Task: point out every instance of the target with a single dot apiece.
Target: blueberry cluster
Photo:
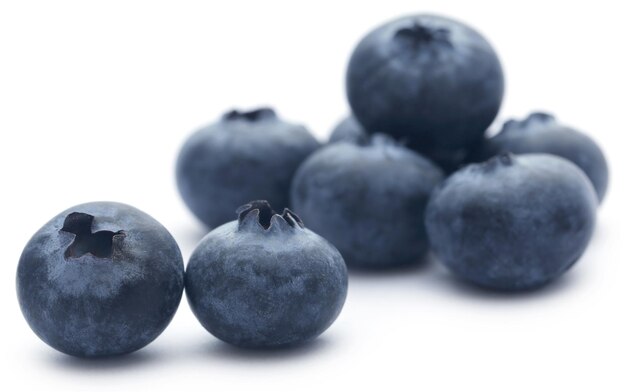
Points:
(411, 170)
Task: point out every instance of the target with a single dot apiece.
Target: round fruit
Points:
(244, 156)
(265, 280)
(427, 80)
(367, 199)
(513, 222)
(541, 133)
(348, 130)
(100, 279)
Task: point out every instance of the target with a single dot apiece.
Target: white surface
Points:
(95, 101)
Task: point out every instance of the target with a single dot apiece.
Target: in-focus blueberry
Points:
(368, 200)
(513, 222)
(265, 281)
(428, 80)
(244, 156)
(100, 279)
(542, 133)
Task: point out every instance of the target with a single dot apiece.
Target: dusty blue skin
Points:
(430, 81)
(368, 200)
(244, 156)
(265, 281)
(100, 279)
(541, 133)
(513, 222)
(348, 130)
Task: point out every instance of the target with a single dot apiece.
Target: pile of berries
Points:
(411, 170)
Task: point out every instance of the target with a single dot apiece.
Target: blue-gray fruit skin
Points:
(265, 281)
(100, 279)
(368, 200)
(348, 130)
(542, 133)
(513, 222)
(243, 156)
(430, 81)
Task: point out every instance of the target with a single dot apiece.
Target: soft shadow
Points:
(600, 231)
(400, 271)
(465, 289)
(113, 364)
(224, 351)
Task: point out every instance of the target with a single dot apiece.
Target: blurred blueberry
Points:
(265, 281)
(243, 156)
(513, 222)
(348, 130)
(367, 199)
(100, 279)
(541, 133)
(428, 80)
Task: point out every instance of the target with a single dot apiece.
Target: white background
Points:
(96, 99)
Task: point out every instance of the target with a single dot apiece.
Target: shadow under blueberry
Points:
(464, 289)
(225, 351)
(118, 363)
(430, 275)
(397, 271)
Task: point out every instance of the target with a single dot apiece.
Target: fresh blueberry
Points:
(100, 279)
(368, 200)
(541, 133)
(244, 156)
(348, 130)
(431, 81)
(265, 281)
(513, 222)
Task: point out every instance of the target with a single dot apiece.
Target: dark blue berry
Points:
(100, 279)
(513, 222)
(265, 281)
(430, 81)
(541, 133)
(367, 199)
(244, 156)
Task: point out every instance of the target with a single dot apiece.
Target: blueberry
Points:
(348, 130)
(513, 222)
(368, 200)
(541, 133)
(429, 80)
(100, 279)
(265, 281)
(244, 156)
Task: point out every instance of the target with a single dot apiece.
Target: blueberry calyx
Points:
(533, 119)
(101, 244)
(259, 214)
(418, 36)
(251, 115)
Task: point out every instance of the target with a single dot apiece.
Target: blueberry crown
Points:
(259, 215)
(532, 121)
(250, 116)
(419, 35)
(101, 244)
